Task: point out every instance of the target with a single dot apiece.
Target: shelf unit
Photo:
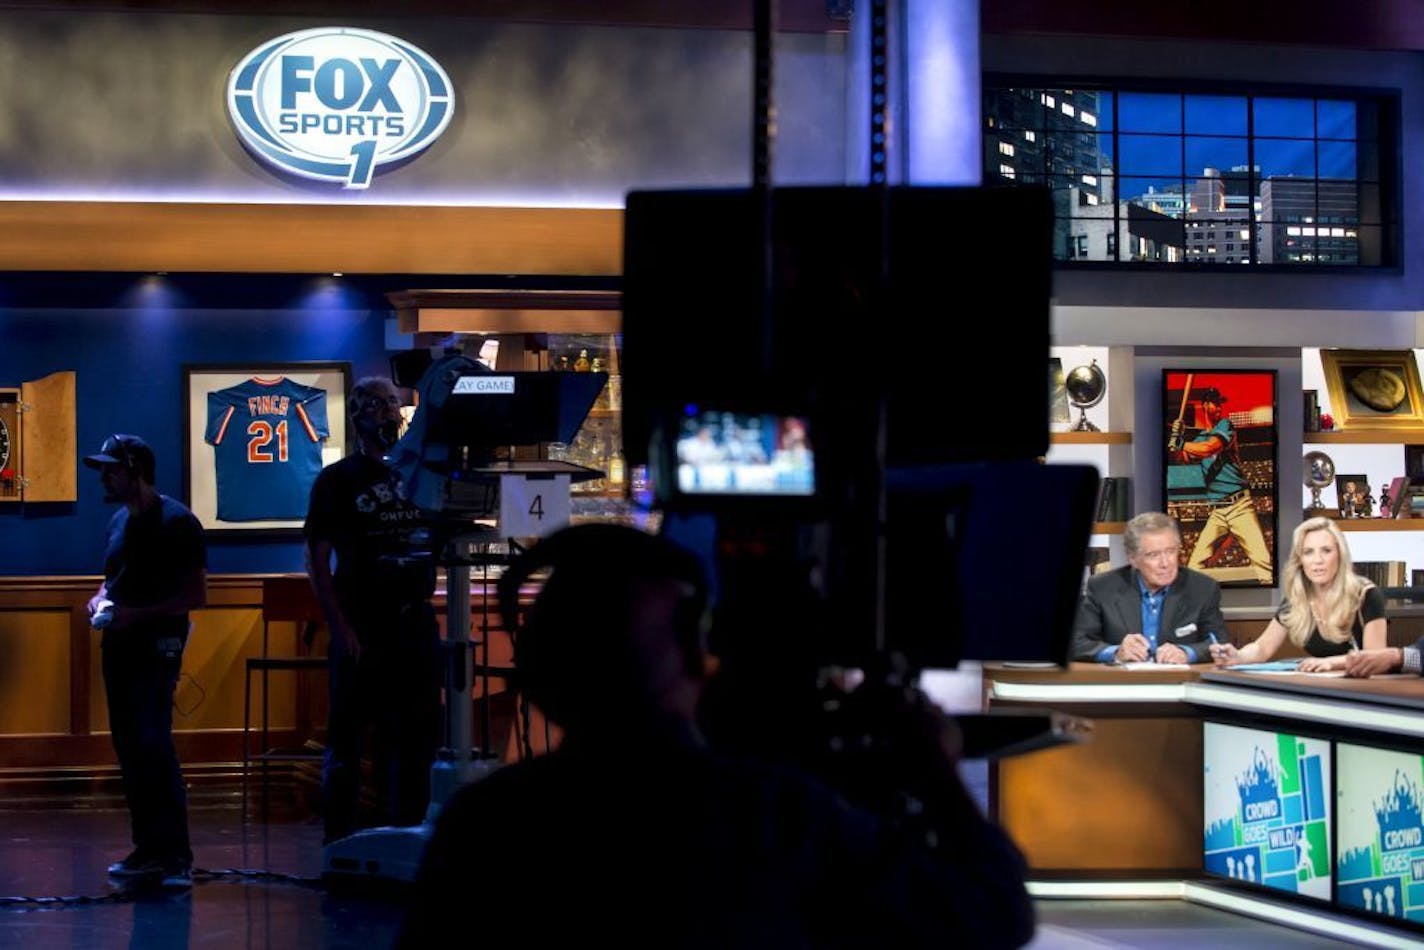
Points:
(1380, 524)
(1363, 437)
(1090, 438)
(1110, 448)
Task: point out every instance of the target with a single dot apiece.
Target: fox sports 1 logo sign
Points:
(337, 103)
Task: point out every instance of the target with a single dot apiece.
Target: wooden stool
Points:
(285, 598)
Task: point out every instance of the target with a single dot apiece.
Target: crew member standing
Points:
(384, 659)
(155, 571)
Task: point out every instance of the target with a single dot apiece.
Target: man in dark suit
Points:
(1153, 609)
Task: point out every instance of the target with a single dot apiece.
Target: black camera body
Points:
(851, 386)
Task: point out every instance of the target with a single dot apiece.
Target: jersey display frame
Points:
(254, 438)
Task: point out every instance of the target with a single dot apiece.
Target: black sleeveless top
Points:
(1371, 608)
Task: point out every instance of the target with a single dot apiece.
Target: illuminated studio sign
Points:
(337, 103)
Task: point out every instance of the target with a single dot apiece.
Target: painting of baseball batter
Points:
(1219, 440)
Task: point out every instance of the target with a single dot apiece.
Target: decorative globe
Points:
(1086, 385)
(1319, 470)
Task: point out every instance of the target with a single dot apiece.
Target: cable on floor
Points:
(140, 889)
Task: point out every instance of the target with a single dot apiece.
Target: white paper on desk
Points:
(1149, 665)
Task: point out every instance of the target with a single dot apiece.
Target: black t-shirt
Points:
(148, 556)
(359, 506)
(1371, 608)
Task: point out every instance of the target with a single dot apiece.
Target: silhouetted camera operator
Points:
(635, 829)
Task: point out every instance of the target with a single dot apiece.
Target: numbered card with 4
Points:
(533, 506)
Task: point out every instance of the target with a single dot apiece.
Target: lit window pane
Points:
(1150, 112)
(1218, 152)
(1336, 119)
(1165, 196)
(1337, 160)
(1285, 117)
(1072, 196)
(1281, 157)
(1149, 154)
(1215, 115)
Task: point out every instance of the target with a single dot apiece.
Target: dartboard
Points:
(4, 444)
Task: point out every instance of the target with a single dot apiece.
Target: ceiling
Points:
(792, 15)
(1362, 24)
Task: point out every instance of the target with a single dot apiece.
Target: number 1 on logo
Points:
(365, 155)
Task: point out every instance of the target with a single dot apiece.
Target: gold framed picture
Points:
(1374, 389)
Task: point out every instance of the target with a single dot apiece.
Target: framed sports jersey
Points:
(255, 438)
(1219, 468)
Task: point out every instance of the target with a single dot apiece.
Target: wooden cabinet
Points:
(38, 459)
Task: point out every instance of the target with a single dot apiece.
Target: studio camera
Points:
(842, 398)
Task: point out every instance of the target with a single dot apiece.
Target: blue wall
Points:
(129, 358)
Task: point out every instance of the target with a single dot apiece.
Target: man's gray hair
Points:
(1149, 522)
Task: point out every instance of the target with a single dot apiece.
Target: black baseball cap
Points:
(1211, 394)
(127, 450)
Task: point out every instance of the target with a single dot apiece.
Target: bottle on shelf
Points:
(616, 469)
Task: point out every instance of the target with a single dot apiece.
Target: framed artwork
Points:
(254, 439)
(1057, 393)
(1373, 389)
(1414, 461)
(1353, 496)
(1219, 468)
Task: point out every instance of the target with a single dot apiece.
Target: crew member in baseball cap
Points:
(130, 451)
(155, 571)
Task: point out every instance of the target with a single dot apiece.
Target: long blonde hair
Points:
(1342, 598)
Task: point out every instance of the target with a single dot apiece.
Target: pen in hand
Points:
(1215, 647)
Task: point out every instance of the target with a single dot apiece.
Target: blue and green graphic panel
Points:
(1267, 809)
(1381, 860)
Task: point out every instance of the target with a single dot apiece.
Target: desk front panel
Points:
(1127, 802)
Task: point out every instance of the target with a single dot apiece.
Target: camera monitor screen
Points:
(1380, 864)
(744, 454)
(1266, 810)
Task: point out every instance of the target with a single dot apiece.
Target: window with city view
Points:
(1202, 178)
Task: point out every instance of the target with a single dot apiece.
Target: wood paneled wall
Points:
(53, 714)
(308, 239)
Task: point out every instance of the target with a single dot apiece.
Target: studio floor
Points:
(60, 847)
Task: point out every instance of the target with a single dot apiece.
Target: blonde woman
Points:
(1328, 610)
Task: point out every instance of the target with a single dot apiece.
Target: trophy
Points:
(1319, 472)
(1086, 387)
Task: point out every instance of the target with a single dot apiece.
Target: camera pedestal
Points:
(532, 500)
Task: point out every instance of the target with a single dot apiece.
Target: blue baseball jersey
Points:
(266, 436)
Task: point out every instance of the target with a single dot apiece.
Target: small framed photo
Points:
(1414, 461)
(1373, 389)
(1355, 498)
(254, 438)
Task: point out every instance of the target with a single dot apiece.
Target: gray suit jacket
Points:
(1111, 608)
